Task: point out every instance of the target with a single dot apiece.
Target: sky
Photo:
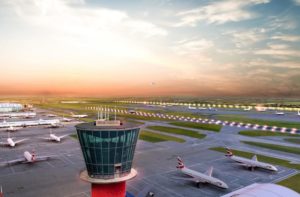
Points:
(150, 48)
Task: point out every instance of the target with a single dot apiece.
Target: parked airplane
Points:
(212, 109)
(27, 158)
(78, 115)
(260, 109)
(66, 119)
(279, 113)
(199, 177)
(53, 137)
(5, 124)
(190, 107)
(10, 142)
(11, 128)
(51, 115)
(19, 114)
(202, 108)
(54, 126)
(247, 109)
(250, 163)
(298, 113)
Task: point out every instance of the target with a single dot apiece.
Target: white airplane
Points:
(212, 109)
(298, 113)
(10, 142)
(247, 109)
(199, 177)
(19, 114)
(66, 119)
(51, 115)
(53, 137)
(250, 163)
(27, 158)
(11, 128)
(190, 107)
(202, 108)
(78, 115)
(53, 125)
(279, 113)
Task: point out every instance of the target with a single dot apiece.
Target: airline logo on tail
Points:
(180, 163)
(229, 153)
(33, 156)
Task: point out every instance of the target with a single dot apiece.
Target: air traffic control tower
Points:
(108, 149)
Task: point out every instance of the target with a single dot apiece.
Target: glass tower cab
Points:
(108, 149)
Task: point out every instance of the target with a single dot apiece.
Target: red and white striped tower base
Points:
(115, 187)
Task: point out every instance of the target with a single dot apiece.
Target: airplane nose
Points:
(275, 169)
(225, 186)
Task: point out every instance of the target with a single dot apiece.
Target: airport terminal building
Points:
(108, 149)
(10, 107)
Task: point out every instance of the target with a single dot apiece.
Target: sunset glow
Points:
(160, 47)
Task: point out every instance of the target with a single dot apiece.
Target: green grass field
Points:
(287, 149)
(292, 183)
(244, 119)
(157, 137)
(293, 140)
(262, 158)
(194, 125)
(178, 131)
(260, 133)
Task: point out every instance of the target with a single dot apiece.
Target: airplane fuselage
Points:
(253, 163)
(54, 137)
(203, 178)
(29, 157)
(79, 116)
(11, 142)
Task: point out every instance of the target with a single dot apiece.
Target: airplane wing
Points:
(189, 179)
(209, 171)
(43, 158)
(63, 136)
(22, 140)
(3, 143)
(45, 138)
(13, 162)
(254, 158)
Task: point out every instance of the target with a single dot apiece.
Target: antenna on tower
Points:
(107, 113)
(115, 113)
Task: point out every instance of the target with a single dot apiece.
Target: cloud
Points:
(64, 15)
(288, 38)
(194, 48)
(297, 2)
(285, 22)
(279, 51)
(246, 38)
(259, 63)
(219, 12)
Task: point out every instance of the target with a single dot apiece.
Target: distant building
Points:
(108, 149)
(10, 107)
(263, 189)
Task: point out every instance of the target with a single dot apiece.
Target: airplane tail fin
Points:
(228, 153)
(180, 163)
(33, 155)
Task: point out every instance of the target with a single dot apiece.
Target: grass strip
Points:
(178, 131)
(287, 149)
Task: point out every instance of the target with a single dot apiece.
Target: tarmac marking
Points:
(162, 188)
